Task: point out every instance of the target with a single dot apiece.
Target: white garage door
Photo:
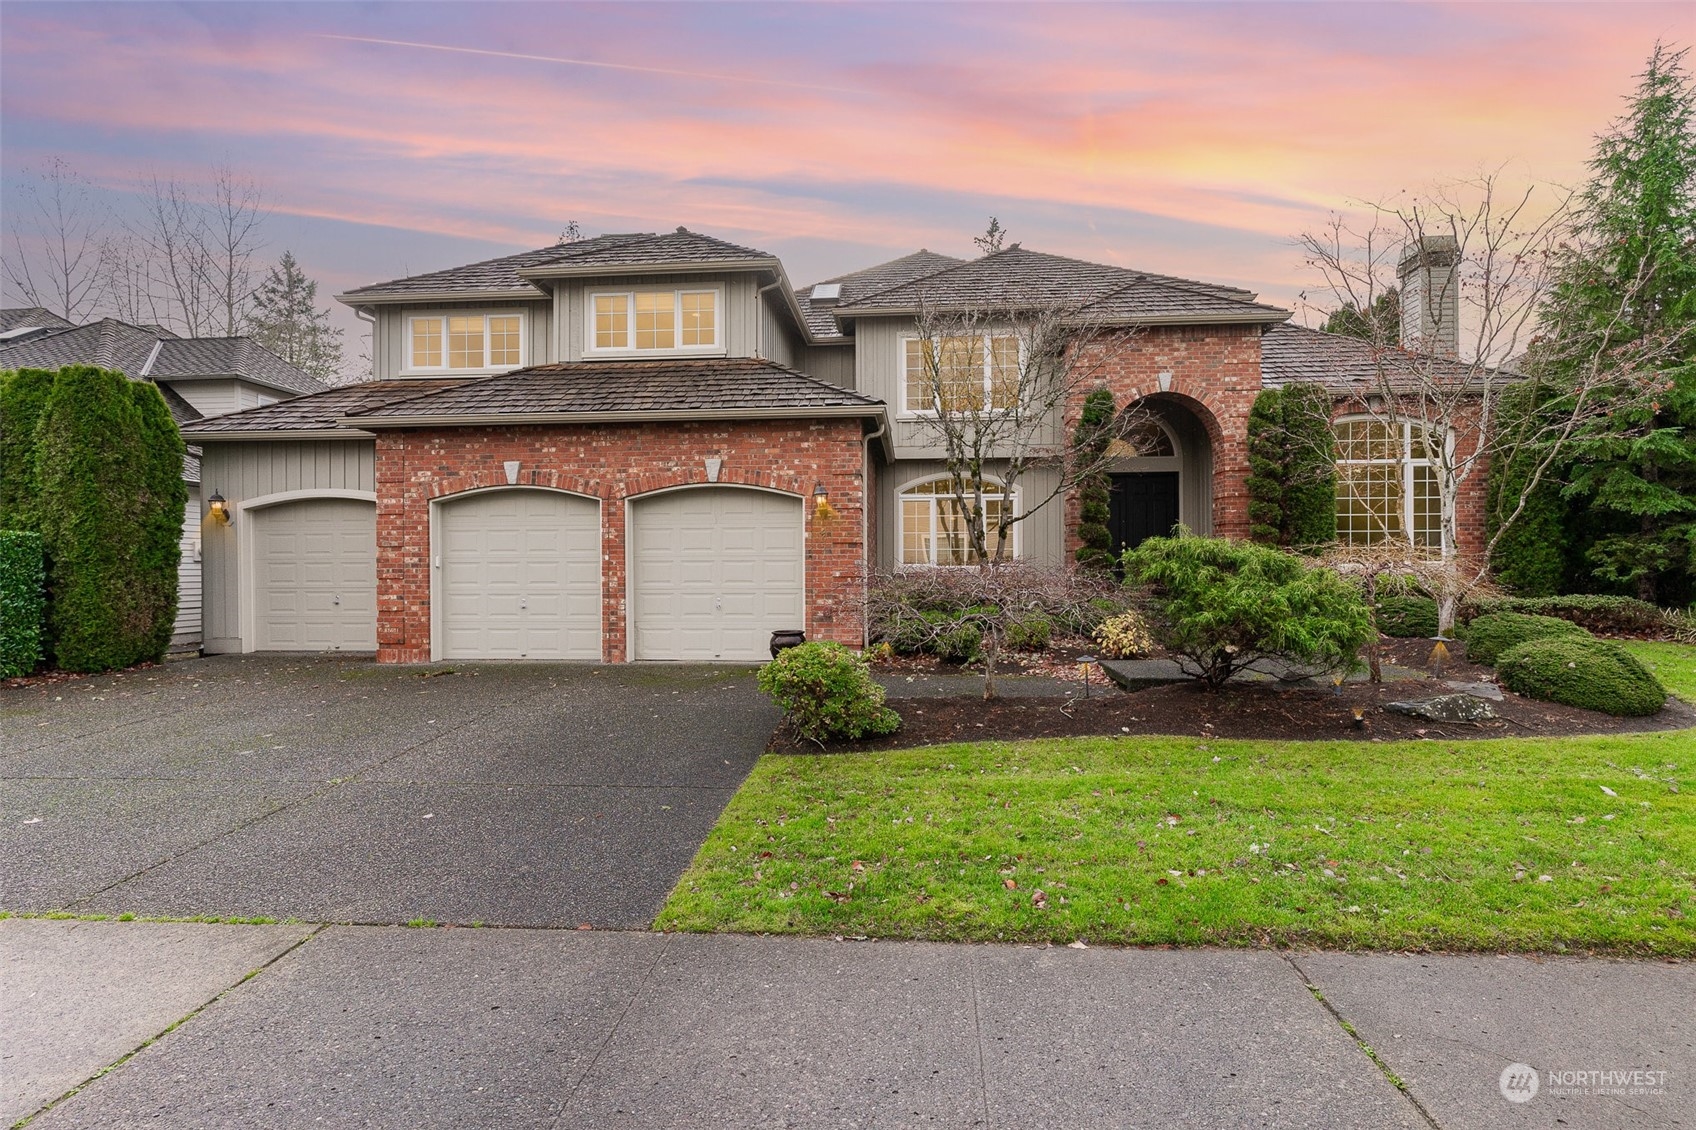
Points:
(315, 576)
(520, 576)
(715, 570)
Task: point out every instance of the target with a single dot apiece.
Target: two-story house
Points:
(654, 447)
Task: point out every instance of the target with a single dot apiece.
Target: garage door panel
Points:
(520, 576)
(315, 576)
(715, 570)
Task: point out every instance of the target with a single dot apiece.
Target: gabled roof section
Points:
(108, 343)
(189, 358)
(151, 354)
(1291, 354)
(854, 285)
(1016, 276)
(490, 277)
(316, 413)
(680, 248)
(31, 317)
(683, 389)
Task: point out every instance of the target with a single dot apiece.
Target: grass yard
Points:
(1674, 664)
(1509, 844)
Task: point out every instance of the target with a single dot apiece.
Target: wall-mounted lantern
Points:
(220, 510)
(821, 503)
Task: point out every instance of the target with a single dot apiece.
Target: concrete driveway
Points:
(342, 791)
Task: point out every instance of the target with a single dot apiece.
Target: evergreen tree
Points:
(23, 396)
(1093, 435)
(287, 321)
(1625, 302)
(1381, 324)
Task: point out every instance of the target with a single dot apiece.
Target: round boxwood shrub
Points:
(826, 691)
(1581, 671)
(1489, 636)
(1406, 617)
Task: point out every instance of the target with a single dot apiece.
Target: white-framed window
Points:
(469, 342)
(655, 321)
(1386, 484)
(933, 523)
(959, 374)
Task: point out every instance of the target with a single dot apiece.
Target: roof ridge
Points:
(460, 267)
(956, 265)
(887, 263)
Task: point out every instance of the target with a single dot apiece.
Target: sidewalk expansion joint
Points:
(612, 1033)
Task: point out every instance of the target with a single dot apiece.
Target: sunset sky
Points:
(1193, 139)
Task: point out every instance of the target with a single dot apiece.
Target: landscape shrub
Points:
(954, 637)
(23, 395)
(1221, 606)
(826, 691)
(1031, 632)
(1581, 671)
(1489, 636)
(1094, 434)
(1125, 636)
(1529, 558)
(1406, 617)
(23, 602)
(1604, 615)
(1292, 469)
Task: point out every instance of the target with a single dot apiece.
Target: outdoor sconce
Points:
(220, 510)
(821, 502)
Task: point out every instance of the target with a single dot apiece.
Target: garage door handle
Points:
(338, 598)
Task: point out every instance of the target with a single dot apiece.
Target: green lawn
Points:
(1435, 844)
(1673, 663)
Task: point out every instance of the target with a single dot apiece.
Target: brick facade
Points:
(615, 463)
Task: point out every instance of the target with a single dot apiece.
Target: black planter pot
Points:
(787, 638)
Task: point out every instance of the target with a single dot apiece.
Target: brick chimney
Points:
(1430, 291)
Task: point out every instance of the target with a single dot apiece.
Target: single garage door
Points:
(715, 570)
(315, 576)
(520, 576)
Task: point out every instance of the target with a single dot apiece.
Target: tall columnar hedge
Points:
(1529, 557)
(23, 395)
(23, 602)
(109, 461)
(1094, 433)
(1292, 468)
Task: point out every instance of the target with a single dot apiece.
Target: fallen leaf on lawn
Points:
(856, 866)
(1039, 900)
(1010, 884)
(1609, 791)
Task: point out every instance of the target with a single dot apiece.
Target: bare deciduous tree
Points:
(55, 232)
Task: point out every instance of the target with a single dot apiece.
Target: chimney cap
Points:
(1429, 251)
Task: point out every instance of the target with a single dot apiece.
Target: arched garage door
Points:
(520, 576)
(315, 575)
(715, 570)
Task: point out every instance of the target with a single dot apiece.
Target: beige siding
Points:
(242, 471)
(833, 363)
(1041, 537)
(778, 340)
(740, 316)
(211, 398)
(388, 334)
(185, 634)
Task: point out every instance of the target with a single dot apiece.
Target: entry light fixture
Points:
(821, 503)
(219, 508)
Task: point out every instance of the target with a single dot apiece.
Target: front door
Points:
(1142, 505)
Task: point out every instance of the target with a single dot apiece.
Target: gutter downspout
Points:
(865, 526)
(369, 317)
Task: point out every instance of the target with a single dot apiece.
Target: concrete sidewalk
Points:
(388, 1026)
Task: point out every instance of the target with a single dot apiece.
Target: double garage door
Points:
(712, 572)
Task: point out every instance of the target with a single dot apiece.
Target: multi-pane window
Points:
(934, 524)
(652, 320)
(1386, 485)
(961, 374)
(466, 341)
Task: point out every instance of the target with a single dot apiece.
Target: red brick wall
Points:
(616, 462)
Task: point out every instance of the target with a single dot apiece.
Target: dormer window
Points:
(464, 342)
(654, 321)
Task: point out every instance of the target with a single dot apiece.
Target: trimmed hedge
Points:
(1406, 617)
(1530, 557)
(23, 602)
(1292, 471)
(1584, 672)
(1489, 636)
(1090, 441)
(23, 397)
(1604, 615)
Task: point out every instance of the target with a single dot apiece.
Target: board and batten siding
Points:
(185, 633)
(1040, 538)
(388, 333)
(242, 471)
(832, 363)
(740, 317)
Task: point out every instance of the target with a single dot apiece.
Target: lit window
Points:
(1386, 486)
(961, 374)
(934, 524)
(656, 320)
(466, 341)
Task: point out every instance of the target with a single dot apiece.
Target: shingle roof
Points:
(1017, 276)
(17, 317)
(869, 280)
(243, 357)
(108, 343)
(716, 386)
(1291, 354)
(317, 412)
(501, 276)
(112, 344)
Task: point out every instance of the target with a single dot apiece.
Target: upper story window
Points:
(644, 321)
(1386, 485)
(960, 374)
(446, 342)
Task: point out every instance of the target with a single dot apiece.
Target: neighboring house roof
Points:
(821, 319)
(18, 318)
(151, 354)
(108, 343)
(502, 277)
(1016, 276)
(317, 412)
(199, 358)
(691, 388)
(1291, 354)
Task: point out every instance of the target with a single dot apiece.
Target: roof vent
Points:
(826, 294)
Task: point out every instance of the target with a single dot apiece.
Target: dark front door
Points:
(1142, 505)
